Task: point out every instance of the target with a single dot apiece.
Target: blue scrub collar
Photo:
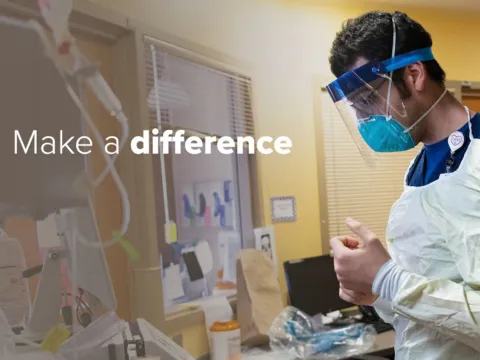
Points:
(357, 78)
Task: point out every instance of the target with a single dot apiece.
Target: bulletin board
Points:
(204, 202)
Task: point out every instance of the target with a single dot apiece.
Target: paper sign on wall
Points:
(265, 242)
(173, 287)
(229, 246)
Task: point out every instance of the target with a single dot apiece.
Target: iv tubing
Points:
(113, 171)
(108, 160)
(33, 25)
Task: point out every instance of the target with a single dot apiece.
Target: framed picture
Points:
(283, 208)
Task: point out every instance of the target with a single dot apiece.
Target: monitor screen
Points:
(313, 286)
(193, 266)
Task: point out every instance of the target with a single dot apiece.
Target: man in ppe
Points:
(391, 91)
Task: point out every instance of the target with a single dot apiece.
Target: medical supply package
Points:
(295, 334)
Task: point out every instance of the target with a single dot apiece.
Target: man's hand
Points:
(357, 263)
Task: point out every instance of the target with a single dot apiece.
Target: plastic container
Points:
(225, 338)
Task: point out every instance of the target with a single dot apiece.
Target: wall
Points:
(287, 43)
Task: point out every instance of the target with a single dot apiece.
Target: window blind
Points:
(352, 187)
(209, 195)
(197, 97)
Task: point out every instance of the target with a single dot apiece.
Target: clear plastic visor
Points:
(367, 94)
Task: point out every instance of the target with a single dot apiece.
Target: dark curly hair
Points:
(371, 36)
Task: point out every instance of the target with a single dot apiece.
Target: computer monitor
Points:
(313, 286)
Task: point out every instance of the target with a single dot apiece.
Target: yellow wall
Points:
(287, 43)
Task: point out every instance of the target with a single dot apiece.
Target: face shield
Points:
(371, 106)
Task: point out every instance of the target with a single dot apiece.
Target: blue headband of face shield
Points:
(365, 74)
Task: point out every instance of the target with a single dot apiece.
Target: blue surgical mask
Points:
(385, 135)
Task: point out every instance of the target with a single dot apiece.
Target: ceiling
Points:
(460, 5)
(456, 5)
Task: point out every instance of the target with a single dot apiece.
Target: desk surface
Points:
(384, 341)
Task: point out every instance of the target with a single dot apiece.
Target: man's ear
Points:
(416, 76)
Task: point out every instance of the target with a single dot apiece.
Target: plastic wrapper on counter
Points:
(297, 335)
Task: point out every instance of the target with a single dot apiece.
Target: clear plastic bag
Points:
(298, 335)
(87, 344)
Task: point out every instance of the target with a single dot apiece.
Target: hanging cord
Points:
(470, 129)
(426, 113)
(394, 45)
(162, 155)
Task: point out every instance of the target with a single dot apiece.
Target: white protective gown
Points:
(434, 233)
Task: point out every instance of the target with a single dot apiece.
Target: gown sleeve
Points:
(384, 310)
(452, 308)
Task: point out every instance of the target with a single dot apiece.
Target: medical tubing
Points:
(125, 130)
(106, 96)
(75, 322)
(113, 171)
(108, 160)
(110, 98)
(33, 25)
(99, 87)
(159, 124)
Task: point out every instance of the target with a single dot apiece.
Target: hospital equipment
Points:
(91, 271)
(40, 185)
(140, 338)
(15, 298)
